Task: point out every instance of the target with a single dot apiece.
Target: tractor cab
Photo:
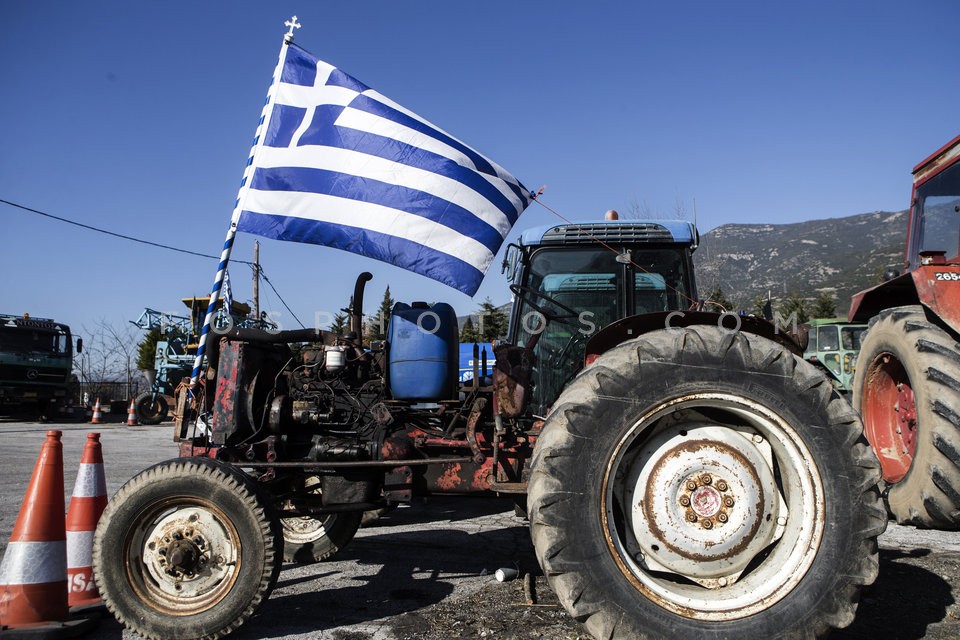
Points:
(932, 258)
(572, 280)
(935, 209)
(833, 344)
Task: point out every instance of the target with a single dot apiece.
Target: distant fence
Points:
(119, 392)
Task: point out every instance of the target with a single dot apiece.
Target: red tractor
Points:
(907, 383)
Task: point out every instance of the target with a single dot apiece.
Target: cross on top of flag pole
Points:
(293, 24)
(343, 166)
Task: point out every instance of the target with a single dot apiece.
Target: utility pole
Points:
(256, 282)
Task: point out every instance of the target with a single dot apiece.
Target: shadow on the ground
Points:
(904, 601)
(414, 569)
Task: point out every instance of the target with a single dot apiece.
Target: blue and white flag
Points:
(227, 293)
(341, 165)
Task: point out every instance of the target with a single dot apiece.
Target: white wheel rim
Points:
(193, 529)
(724, 510)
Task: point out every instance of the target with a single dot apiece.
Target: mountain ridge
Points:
(838, 256)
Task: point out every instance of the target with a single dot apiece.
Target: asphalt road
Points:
(425, 571)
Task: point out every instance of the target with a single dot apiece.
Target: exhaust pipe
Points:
(356, 306)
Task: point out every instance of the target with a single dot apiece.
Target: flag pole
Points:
(244, 185)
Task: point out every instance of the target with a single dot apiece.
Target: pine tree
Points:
(147, 350)
(719, 299)
(341, 322)
(469, 332)
(794, 303)
(377, 325)
(824, 306)
(493, 322)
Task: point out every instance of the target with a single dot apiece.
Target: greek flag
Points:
(342, 166)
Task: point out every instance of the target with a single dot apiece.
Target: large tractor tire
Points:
(907, 388)
(187, 549)
(150, 410)
(307, 540)
(700, 483)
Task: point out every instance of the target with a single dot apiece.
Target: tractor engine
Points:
(334, 394)
(320, 401)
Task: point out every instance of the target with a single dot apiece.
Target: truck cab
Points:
(573, 279)
(36, 358)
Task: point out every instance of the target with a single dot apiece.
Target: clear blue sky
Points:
(138, 117)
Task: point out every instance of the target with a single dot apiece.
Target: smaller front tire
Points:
(187, 549)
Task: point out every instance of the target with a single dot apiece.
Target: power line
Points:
(152, 244)
(267, 280)
(114, 233)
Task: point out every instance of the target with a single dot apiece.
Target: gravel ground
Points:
(425, 572)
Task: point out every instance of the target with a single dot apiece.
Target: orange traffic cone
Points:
(33, 576)
(132, 414)
(88, 502)
(97, 416)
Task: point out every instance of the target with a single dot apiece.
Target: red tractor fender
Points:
(635, 326)
(935, 286)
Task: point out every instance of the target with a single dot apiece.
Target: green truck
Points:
(833, 345)
(36, 360)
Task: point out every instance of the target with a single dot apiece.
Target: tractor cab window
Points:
(568, 294)
(827, 339)
(811, 342)
(938, 205)
(850, 337)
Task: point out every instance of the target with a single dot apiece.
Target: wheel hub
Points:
(184, 556)
(890, 416)
(705, 502)
(191, 556)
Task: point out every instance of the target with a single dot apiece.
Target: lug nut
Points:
(707, 524)
(685, 501)
(728, 501)
(692, 517)
(706, 479)
(198, 540)
(178, 536)
(162, 551)
(722, 517)
(691, 485)
(721, 485)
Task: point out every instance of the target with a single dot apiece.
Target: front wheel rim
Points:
(183, 556)
(713, 506)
